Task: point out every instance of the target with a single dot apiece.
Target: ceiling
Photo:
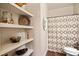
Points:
(57, 5)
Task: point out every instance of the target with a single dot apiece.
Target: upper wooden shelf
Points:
(6, 25)
(15, 9)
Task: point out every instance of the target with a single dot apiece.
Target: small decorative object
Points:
(15, 39)
(11, 21)
(24, 20)
(20, 4)
(4, 17)
(22, 51)
(4, 21)
(21, 34)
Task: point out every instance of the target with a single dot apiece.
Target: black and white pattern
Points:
(62, 31)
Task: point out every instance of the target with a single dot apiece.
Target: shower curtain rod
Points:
(61, 16)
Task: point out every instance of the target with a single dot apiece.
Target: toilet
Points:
(71, 51)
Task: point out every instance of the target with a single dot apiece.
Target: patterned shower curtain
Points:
(63, 32)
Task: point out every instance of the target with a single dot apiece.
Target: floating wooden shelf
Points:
(11, 7)
(6, 25)
(11, 46)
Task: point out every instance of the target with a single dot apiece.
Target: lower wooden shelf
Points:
(11, 46)
(28, 53)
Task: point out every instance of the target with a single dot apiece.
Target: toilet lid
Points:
(71, 50)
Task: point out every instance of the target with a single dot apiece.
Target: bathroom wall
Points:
(44, 33)
(40, 36)
(61, 11)
(63, 32)
(36, 30)
(54, 25)
(76, 8)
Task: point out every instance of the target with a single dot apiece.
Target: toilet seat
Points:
(71, 51)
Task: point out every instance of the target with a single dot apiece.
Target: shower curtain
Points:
(63, 32)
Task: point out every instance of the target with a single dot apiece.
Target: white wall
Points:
(76, 8)
(39, 35)
(36, 31)
(44, 34)
(68, 10)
